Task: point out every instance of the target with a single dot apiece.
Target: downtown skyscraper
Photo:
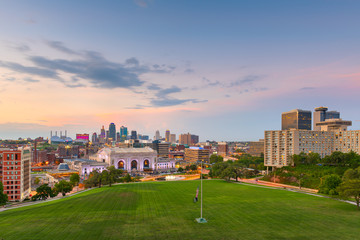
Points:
(112, 131)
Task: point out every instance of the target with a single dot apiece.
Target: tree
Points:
(180, 169)
(3, 196)
(193, 167)
(228, 173)
(63, 187)
(351, 174)
(105, 177)
(75, 179)
(331, 182)
(350, 188)
(215, 158)
(43, 192)
(37, 180)
(127, 178)
(114, 175)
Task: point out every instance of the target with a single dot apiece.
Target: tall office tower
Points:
(162, 148)
(102, 135)
(185, 139)
(123, 133)
(118, 137)
(157, 135)
(296, 119)
(167, 135)
(321, 115)
(15, 173)
(173, 138)
(112, 131)
(107, 135)
(133, 135)
(94, 138)
(194, 139)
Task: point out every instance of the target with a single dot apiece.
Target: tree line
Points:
(231, 170)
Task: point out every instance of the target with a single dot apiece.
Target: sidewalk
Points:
(278, 185)
(25, 204)
(308, 191)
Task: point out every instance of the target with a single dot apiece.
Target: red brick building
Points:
(15, 172)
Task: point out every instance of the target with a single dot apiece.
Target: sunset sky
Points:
(224, 70)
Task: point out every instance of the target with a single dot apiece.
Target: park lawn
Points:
(165, 210)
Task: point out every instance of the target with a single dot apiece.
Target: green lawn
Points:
(165, 210)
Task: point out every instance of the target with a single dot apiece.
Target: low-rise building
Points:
(128, 159)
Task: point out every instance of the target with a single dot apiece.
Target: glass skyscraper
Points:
(123, 132)
(112, 131)
(296, 119)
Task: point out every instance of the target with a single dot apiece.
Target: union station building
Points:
(128, 159)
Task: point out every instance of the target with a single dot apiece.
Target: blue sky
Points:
(224, 70)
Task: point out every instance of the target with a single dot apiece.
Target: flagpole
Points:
(201, 219)
(201, 191)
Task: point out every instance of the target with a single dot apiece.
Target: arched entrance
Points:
(146, 163)
(133, 165)
(120, 165)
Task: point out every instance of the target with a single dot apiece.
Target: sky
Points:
(223, 70)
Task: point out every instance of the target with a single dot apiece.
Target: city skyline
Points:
(224, 71)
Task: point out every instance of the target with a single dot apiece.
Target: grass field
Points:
(165, 210)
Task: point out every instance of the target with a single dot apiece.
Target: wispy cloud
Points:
(142, 3)
(307, 88)
(92, 68)
(42, 72)
(60, 47)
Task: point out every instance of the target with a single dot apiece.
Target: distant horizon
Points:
(220, 70)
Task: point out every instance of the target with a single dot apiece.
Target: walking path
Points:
(25, 204)
(264, 184)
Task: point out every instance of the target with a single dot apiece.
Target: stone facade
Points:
(128, 159)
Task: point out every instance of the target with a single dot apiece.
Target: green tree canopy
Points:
(350, 189)
(329, 184)
(3, 196)
(43, 192)
(75, 179)
(215, 158)
(63, 187)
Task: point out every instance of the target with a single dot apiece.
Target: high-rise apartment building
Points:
(296, 119)
(321, 114)
(112, 131)
(15, 170)
(281, 145)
